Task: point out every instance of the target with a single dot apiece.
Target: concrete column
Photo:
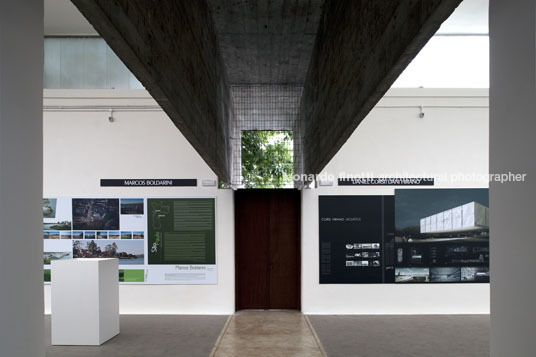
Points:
(21, 178)
(512, 204)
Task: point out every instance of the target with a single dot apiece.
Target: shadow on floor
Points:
(403, 336)
(150, 335)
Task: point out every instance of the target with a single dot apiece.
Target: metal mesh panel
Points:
(265, 107)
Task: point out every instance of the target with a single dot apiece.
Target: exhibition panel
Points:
(157, 240)
(353, 234)
(415, 236)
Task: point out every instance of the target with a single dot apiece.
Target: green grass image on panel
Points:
(131, 275)
(47, 275)
(181, 231)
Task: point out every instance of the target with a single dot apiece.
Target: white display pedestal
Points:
(84, 301)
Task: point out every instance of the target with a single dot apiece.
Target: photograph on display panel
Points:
(95, 214)
(57, 214)
(130, 252)
(48, 257)
(49, 207)
(132, 206)
(412, 275)
(445, 231)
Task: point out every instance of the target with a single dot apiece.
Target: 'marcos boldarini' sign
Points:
(147, 182)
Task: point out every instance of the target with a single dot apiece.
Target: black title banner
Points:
(147, 182)
(416, 181)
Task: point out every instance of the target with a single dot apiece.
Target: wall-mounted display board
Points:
(354, 231)
(416, 236)
(157, 240)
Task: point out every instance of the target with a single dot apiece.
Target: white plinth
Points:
(84, 301)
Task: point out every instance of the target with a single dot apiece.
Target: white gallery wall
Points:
(81, 146)
(451, 138)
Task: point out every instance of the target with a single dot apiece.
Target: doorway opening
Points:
(267, 249)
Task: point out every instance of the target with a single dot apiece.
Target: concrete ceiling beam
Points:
(172, 48)
(361, 47)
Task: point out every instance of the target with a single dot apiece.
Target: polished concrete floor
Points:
(287, 333)
(404, 335)
(268, 333)
(151, 336)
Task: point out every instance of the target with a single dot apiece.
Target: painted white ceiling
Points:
(63, 18)
(470, 18)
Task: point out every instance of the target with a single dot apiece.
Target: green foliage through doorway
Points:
(267, 159)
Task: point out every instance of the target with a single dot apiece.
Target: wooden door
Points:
(267, 249)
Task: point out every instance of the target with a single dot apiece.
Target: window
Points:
(84, 62)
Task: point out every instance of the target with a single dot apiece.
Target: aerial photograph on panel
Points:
(95, 214)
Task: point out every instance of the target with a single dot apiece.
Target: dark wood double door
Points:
(267, 249)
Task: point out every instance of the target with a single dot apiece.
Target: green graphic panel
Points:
(181, 231)
(131, 275)
(47, 275)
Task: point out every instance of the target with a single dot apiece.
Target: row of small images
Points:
(375, 254)
(362, 263)
(442, 275)
(363, 246)
(57, 235)
(93, 235)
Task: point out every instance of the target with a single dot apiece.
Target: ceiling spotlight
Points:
(421, 114)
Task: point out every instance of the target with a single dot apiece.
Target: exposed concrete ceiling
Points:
(266, 42)
(361, 48)
(347, 53)
(172, 48)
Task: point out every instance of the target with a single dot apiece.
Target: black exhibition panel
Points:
(415, 236)
(353, 233)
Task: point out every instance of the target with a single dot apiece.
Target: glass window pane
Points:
(95, 63)
(72, 63)
(52, 63)
(134, 83)
(117, 73)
